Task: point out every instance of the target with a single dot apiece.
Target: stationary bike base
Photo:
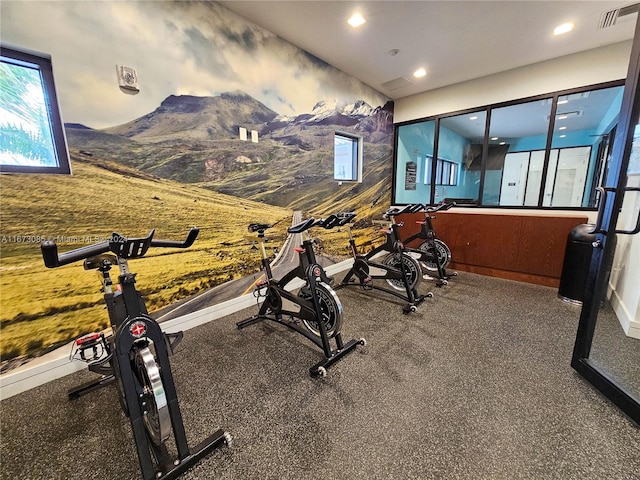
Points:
(320, 368)
(411, 306)
(217, 440)
(88, 387)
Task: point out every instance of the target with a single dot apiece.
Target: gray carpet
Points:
(476, 385)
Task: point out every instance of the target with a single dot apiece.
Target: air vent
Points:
(610, 17)
(396, 83)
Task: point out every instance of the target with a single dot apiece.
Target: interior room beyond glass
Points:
(549, 151)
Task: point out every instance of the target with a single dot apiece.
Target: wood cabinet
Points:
(518, 247)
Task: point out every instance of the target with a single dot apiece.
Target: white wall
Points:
(625, 274)
(586, 68)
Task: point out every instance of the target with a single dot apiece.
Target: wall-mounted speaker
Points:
(127, 79)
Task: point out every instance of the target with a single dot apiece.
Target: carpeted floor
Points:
(476, 385)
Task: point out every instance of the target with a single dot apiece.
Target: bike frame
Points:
(428, 234)
(272, 309)
(361, 264)
(131, 324)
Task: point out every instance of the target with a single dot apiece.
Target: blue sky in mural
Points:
(177, 48)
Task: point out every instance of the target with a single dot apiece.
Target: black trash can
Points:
(575, 268)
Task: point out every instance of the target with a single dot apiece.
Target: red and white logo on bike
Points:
(138, 329)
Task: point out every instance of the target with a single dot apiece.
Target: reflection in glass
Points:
(615, 348)
(460, 155)
(513, 172)
(25, 123)
(415, 149)
(583, 134)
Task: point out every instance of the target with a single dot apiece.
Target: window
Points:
(548, 151)
(32, 138)
(460, 141)
(412, 175)
(347, 157)
(505, 181)
(446, 172)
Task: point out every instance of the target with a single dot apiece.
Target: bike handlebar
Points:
(392, 212)
(334, 220)
(302, 226)
(345, 217)
(443, 207)
(121, 246)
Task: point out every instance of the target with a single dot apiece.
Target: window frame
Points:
(356, 155)
(486, 110)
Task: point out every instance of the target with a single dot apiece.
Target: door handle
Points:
(603, 200)
(637, 229)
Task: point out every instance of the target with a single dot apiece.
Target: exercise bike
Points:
(433, 254)
(400, 270)
(135, 356)
(319, 312)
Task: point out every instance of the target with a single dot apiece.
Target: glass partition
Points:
(513, 169)
(460, 150)
(584, 128)
(413, 160)
(515, 163)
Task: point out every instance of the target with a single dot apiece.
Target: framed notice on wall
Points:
(411, 173)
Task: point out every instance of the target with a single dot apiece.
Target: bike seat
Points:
(301, 227)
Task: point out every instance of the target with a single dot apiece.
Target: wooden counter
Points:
(517, 247)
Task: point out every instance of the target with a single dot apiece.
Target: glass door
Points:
(607, 348)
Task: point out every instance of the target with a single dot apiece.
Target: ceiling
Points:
(454, 41)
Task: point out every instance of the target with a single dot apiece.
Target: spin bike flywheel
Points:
(411, 268)
(330, 310)
(153, 400)
(441, 250)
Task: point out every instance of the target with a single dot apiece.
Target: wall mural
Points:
(171, 156)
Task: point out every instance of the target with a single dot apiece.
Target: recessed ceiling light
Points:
(421, 72)
(564, 28)
(356, 20)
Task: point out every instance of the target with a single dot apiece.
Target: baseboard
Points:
(630, 326)
(506, 274)
(57, 364)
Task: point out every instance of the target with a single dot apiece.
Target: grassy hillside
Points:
(43, 307)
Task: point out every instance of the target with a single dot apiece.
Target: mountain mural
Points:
(195, 140)
(187, 117)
